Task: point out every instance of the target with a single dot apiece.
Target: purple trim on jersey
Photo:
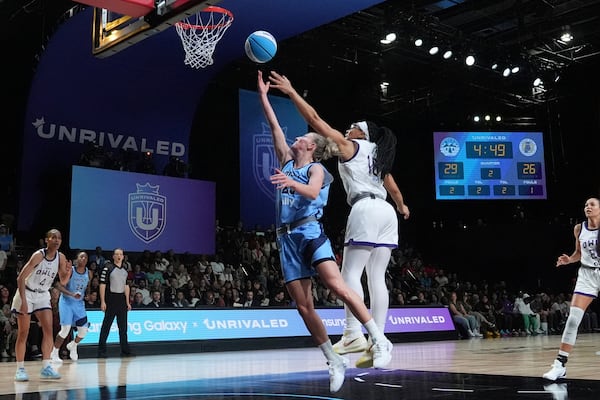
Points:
(354, 155)
(353, 242)
(586, 294)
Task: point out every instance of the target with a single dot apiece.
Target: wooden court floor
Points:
(503, 368)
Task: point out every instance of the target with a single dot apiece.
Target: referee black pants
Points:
(116, 306)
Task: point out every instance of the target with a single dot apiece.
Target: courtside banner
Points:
(157, 325)
(257, 155)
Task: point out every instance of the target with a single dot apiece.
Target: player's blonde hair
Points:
(326, 148)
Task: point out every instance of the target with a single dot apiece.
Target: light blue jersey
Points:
(305, 246)
(71, 310)
(293, 206)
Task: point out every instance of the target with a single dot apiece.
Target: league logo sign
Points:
(147, 212)
(264, 161)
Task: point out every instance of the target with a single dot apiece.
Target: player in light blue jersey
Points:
(71, 307)
(302, 185)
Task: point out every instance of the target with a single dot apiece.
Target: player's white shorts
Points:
(588, 281)
(372, 222)
(35, 301)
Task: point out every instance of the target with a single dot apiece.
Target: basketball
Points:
(260, 47)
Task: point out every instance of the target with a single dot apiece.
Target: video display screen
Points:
(140, 212)
(489, 165)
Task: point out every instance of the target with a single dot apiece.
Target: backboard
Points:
(113, 31)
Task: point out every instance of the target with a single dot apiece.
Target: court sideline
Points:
(503, 368)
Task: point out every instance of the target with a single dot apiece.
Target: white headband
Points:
(363, 127)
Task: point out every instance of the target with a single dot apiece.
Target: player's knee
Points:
(82, 331)
(64, 331)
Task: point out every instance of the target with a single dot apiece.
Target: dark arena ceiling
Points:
(509, 33)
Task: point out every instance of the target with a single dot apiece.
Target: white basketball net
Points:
(200, 33)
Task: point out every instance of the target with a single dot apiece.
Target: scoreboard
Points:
(489, 165)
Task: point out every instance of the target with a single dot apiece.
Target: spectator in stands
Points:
(91, 300)
(210, 300)
(231, 298)
(193, 297)
(7, 241)
(180, 300)
(466, 324)
(170, 292)
(138, 300)
(217, 266)
(531, 320)
(153, 274)
(441, 279)
(137, 275)
(182, 276)
(156, 301)
(98, 258)
(331, 300)
(279, 299)
(141, 288)
(169, 273)
(250, 301)
(5, 296)
(160, 263)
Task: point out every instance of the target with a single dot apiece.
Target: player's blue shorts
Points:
(72, 312)
(302, 249)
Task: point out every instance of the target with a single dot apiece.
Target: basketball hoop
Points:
(200, 37)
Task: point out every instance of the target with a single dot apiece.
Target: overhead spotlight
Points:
(470, 60)
(495, 66)
(566, 36)
(537, 82)
(434, 50)
(476, 118)
(515, 69)
(506, 72)
(389, 38)
(498, 118)
(418, 42)
(487, 117)
(447, 54)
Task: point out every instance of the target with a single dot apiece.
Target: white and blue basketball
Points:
(260, 47)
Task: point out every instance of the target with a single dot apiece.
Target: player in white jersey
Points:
(33, 296)
(587, 287)
(71, 307)
(366, 157)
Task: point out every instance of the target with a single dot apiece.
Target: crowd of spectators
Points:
(244, 272)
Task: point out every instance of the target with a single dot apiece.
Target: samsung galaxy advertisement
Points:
(155, 325)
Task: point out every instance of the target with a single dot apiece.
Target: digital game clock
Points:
(489, 165)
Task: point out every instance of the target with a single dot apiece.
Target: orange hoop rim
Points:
(216, 9)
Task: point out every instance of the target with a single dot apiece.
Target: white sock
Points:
(327, 349)
(374, 332)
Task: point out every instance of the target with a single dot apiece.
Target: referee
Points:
(114, 301)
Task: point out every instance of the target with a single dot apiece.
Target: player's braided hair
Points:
(386, 148)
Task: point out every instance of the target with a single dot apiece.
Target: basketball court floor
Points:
(504, 368)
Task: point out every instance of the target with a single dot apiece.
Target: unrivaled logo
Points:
(147, 211)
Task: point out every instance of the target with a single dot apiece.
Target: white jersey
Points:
(588, 241)
(357, 173)
(43, 274)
